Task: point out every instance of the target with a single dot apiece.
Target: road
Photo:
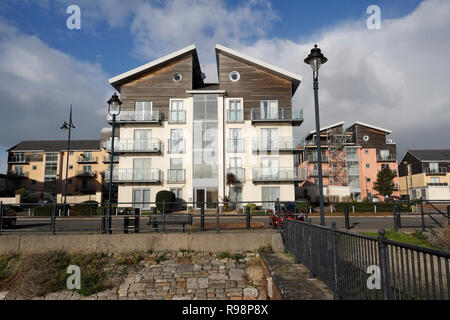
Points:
(93, 224)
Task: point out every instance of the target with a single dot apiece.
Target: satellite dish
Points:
(203, 75)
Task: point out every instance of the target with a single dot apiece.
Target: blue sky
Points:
(369, 75)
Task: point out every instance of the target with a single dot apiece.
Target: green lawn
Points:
(417, 238)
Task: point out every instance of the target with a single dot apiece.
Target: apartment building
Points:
(425, 174)
(40, 166)
(351, 160)
(178, 133)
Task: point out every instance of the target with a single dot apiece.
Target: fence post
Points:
(422, 215)
(448, 215)
(353, 208)
(217, 219)
(394, 213)
(202, 218)
(103, 220)
(335, 265)
(384, 265)
(311, 275)
(247, 217)
(1, 216)
(126, 222)
(375, 208)
(53, 219)
(347, 219)
(137, 213)
(164, 216)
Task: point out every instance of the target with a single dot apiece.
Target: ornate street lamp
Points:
(113, 110)
(315, 59)
(67, 127)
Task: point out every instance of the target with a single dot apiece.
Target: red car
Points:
(287, 210)
(9, 218)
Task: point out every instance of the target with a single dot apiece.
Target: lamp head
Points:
(114, 105)
(315, 59)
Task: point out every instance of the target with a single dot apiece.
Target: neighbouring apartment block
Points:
(425, 174)
(40, 166)
(351, 160)
(178, 133)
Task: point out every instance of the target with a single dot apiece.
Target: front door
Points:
(200, 198)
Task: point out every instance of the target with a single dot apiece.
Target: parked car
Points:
(9, 218)
(288, 211)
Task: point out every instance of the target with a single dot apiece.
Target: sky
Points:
(394, 77)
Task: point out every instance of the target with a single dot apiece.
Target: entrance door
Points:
(200, 196)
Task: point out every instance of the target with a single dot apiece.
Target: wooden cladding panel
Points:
(377, 139)
(158, 86)
(254, 85)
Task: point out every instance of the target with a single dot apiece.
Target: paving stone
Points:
(136, 287)
(197, 267)
(250, 293)
(203, 283)
(123, 290)
(192, 283)
(218, 276)
(236, 274)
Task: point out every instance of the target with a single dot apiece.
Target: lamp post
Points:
(67, 127)
(315, 59)
(406, 178)
(113, 110)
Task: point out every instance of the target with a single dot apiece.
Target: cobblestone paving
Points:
(181, 276)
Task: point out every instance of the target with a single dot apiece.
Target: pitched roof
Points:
(56, 145)
(431, 155)
(121, 78)
(371, 126)
(325, 128)
(294, 78)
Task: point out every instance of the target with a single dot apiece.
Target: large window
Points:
(176, 142)
(269, 109)
(269, 139)
(235, 113)
(142, 139)
(142, 110)
(235, 141)
(177, 114)
(141, 199)
(271, 194)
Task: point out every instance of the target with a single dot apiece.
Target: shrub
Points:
(168, 197)
(45, 210)
(303, 205)
(87, 208)
(22, 192)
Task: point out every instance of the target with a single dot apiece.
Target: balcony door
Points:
(142, 110)
(235, 113)
(141, 169)
(177, 111)
(269, 139)
(269, 109)
(176, 141)
(235, 142)
(270, 168)
(141, 199)
(271, 194)
(142, 139)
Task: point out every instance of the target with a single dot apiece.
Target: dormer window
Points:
(235, 76)
(177, 77)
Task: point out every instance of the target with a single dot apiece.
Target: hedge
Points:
(165, 196)
(88, 208)
(46, 210)
(369, 207)
(303, 205)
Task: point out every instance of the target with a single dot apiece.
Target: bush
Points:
(168, 197)
(45, 210)
(303, 205)
(87, 208)
(252, 206)
(22, 192)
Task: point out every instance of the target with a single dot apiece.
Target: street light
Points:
(113, 110)
(315, 59)
(67, 127)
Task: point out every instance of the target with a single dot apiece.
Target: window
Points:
(177, 114)
(367, 179)
(270, 168)
(34, 167)
(366, 151)
(142, 140)
(269, 194)
(269, 139)
(35, 154)
(269, 109)
(143, 110)
(366, 138)
(234, 76)
(434, 167)
(87, 169)
(176, 142)
(71, 153)
(141, 169)
(384, 154)
(235, 113)
(176, 172)
(235, 142)
(178, 192)
(141, 199)
(205, 107)
(235, 162)
(18, 170)
(177, 77)
(383, 166)
(367, 165)
(70, 167)
(435, 180)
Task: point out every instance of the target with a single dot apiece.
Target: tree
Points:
(165, 199)
(385, 184)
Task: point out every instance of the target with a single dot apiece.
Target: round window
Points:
(177, 77)
(366, 138)
(235, 76)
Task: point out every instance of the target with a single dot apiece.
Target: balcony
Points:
(176, 176)
(436, 171)
(281, 115)
(86, 174)
(154, 116)
(239, 173)
(108, 159)
(82, 159)
(137, 176)
(18, 159)
(235, 115)
(315, 173)
(135, 146)
(17, 175)
(235, 145)
(388, 158)
(281, 144)
(437, 184)
(314, 158)
(177, 116)
(276, 175)
(177, 146)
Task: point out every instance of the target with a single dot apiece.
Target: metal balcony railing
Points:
(280, 144)
(314, 158)
(107, 159)
(239, 173)
(235, 115)
(437, 184)
(390, 157)
(86, 174)
(177, 116)
(82, 159)
(136, 175)
(129, 145)
(17, 174)
(177, 146)
(440, 170)
(235, 145)
(176, 175)
(315, 173)
(18, 159)
(153, 116)
(280, 115)
(275, 174)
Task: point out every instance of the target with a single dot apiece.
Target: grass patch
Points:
(416, 238)
(238, 256)
(160, 258)
(131, 259)
(224, 255)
